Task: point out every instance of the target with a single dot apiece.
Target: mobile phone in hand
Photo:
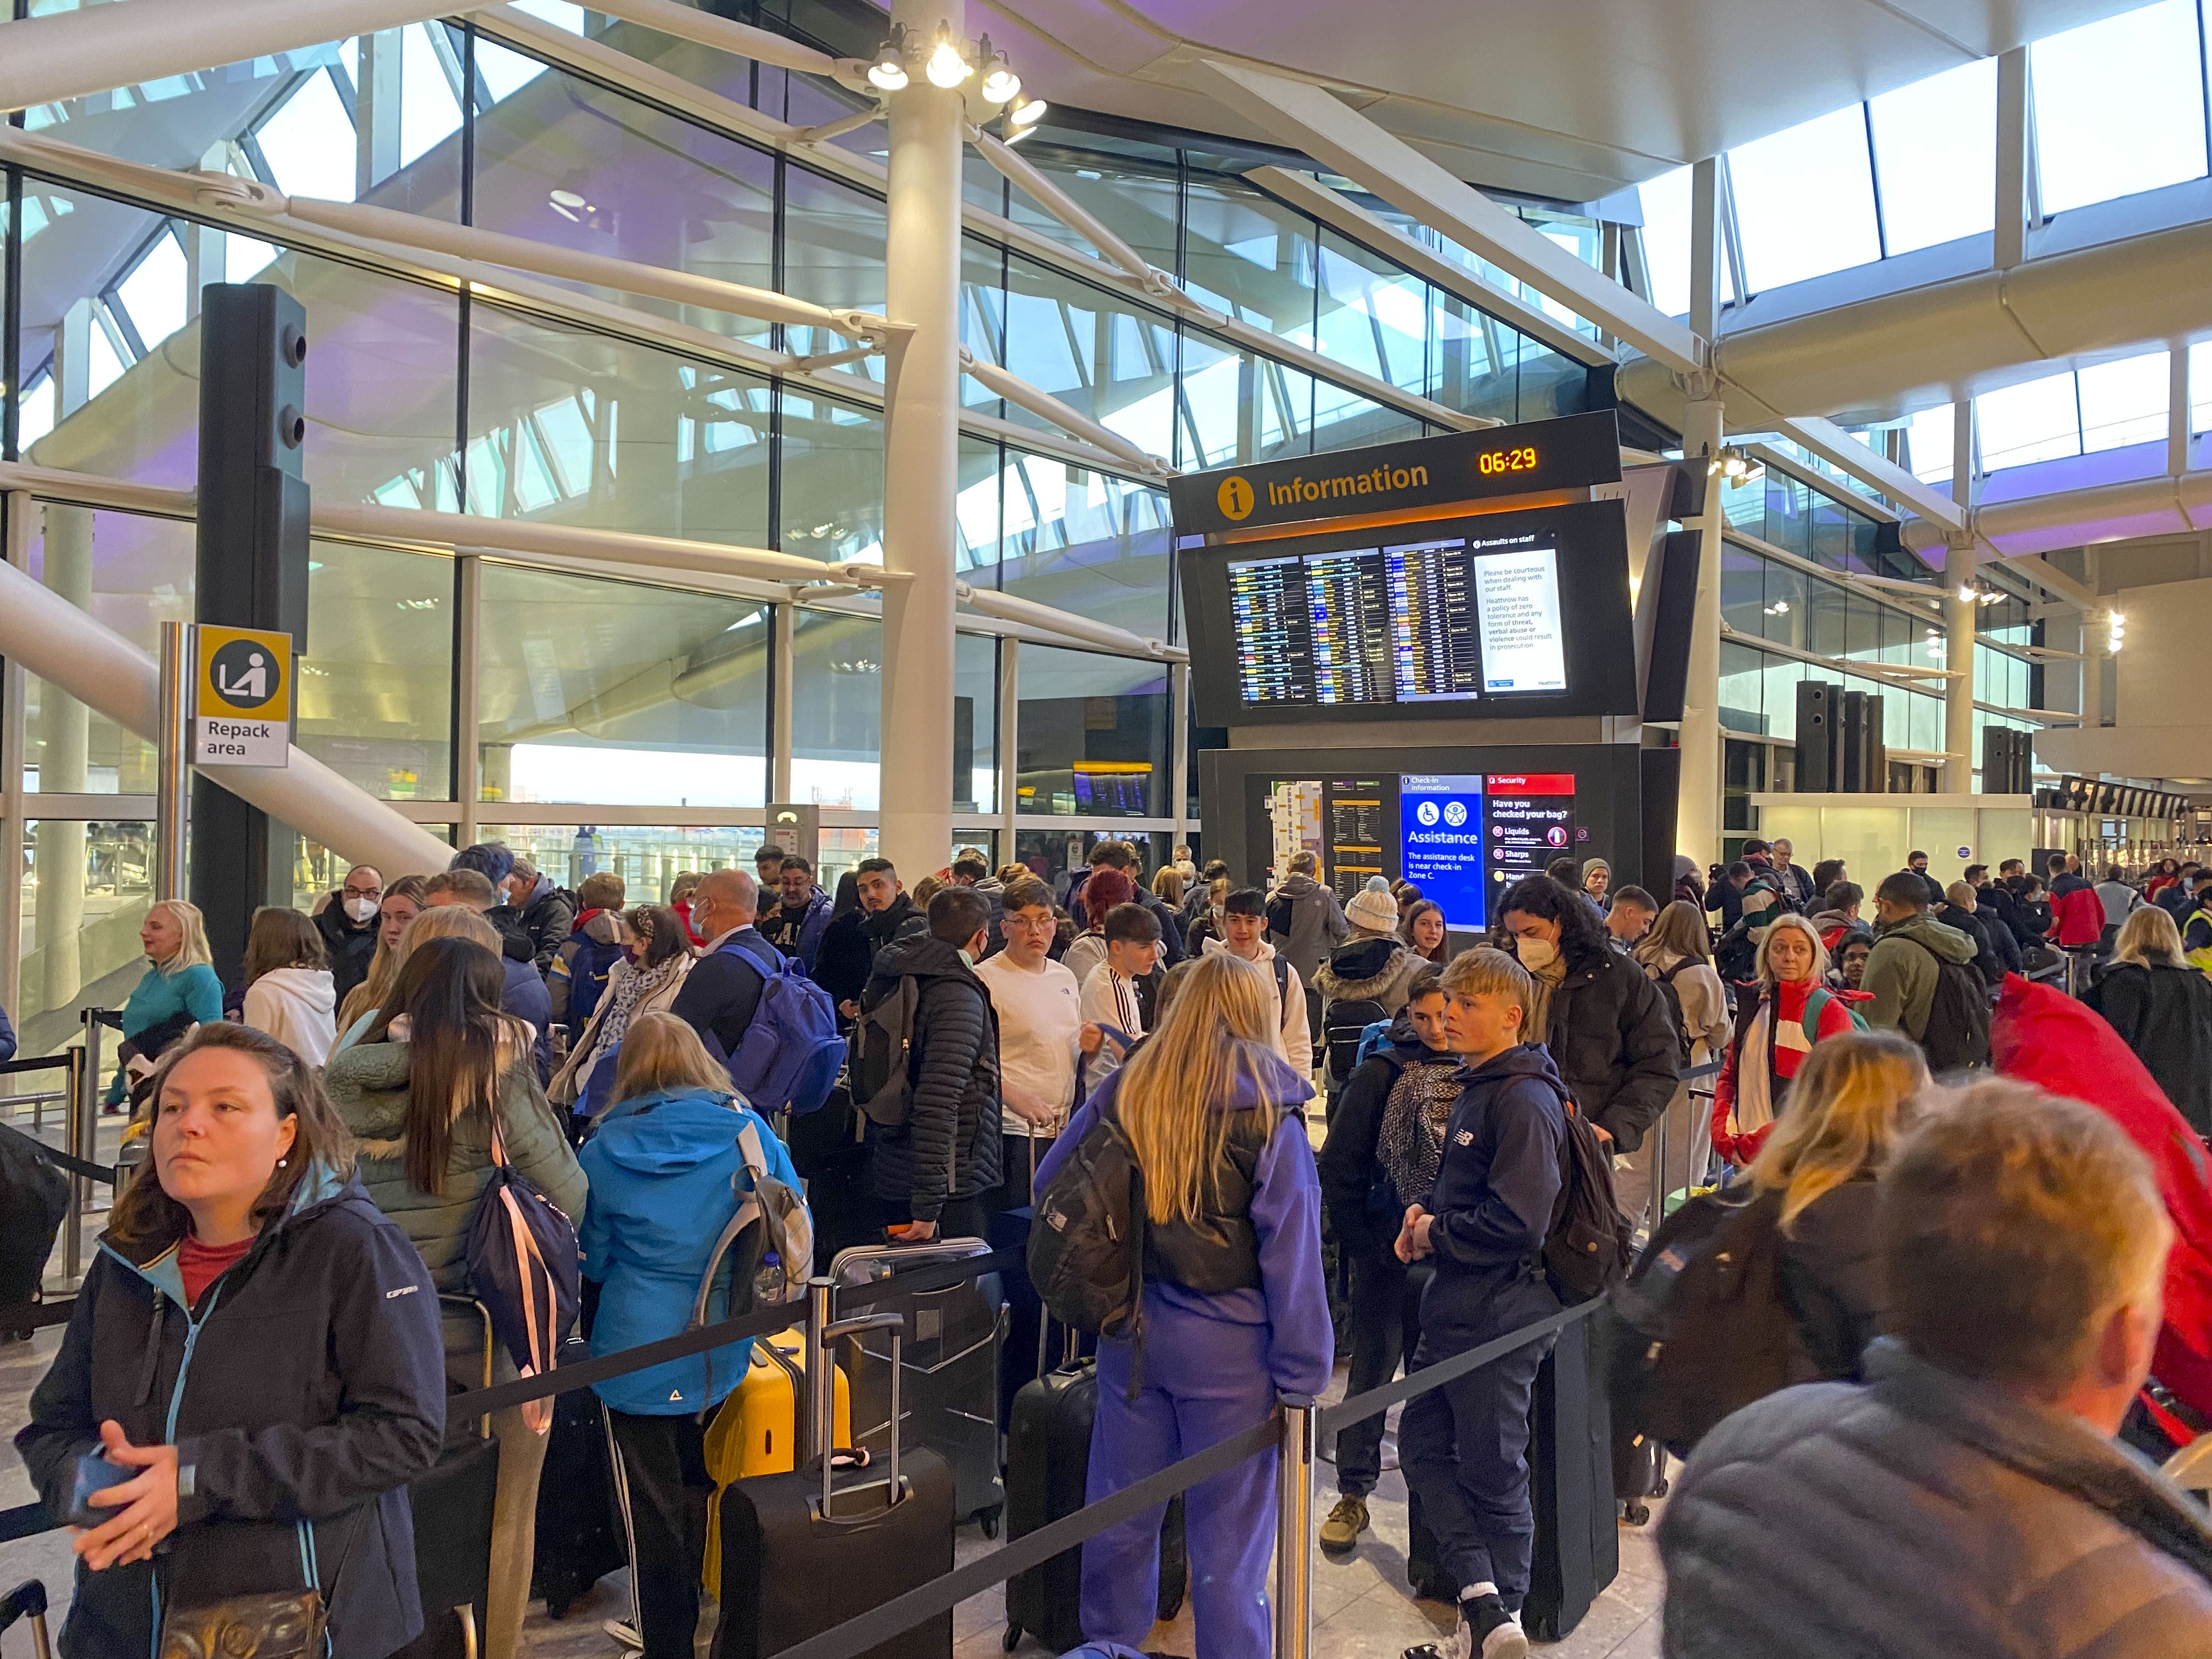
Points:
(94, 1474)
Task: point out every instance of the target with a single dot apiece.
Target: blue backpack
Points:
(789, 1056)
(1373, 1039)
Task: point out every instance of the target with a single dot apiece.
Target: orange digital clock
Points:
(1520, 459)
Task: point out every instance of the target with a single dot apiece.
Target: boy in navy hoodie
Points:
(1464, 1447)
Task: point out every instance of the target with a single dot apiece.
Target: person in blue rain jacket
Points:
(667, 1164)
(1235, 1309)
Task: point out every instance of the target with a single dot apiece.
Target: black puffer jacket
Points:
(547, 921)
(346, 948)
(2164, 1014)
(1831, 1280)
(948, 1147)
(312, 1393)
(1614, 1042)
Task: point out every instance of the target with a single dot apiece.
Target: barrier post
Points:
(821, 1373)
(80, 1086)
(1294, 1528)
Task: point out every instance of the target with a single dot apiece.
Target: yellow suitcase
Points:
(755, 1430)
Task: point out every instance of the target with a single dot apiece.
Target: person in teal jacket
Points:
(181, 989)
(669, 1165)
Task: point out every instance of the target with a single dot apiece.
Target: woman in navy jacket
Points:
(258, 1348)
(1235, 1310)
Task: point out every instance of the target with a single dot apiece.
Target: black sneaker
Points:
(1484, 1631)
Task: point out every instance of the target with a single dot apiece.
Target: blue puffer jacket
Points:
(661, 1167)
(1927, 1517)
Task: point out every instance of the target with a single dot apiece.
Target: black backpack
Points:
(1086, 1249)
(879, 1072)
(1587, 1249)
(1701, 1329)
(1958, 1032)
(1671, 995)
(1343, 1022)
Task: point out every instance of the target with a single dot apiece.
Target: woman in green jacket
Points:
(419, 1092)
(180, 990)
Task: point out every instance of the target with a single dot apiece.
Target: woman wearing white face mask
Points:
(348, 922)
(1606, 1024)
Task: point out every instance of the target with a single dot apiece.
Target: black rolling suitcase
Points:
(1577, 1550)
(581, 1538)
(34, 1199)
(832, 1159)
(1048, 1463)
(452, 1508)
(800, 1557)
(951, 1364)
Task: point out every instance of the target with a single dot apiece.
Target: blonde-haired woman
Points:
(441, 921)
(1849, 1105)
(1235, 1310)
(2162, 1008)
(1780, 1015)
(180, 990)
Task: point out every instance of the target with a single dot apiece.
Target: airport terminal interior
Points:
(1409, 442)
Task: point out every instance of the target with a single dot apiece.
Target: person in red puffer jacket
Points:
(2043, 1036)
(1780, 1015)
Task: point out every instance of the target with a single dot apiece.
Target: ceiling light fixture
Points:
(946, 67)
(1000, 83)
(888, 73)
(1027, 112)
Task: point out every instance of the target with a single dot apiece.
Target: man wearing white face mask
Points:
(347, 921)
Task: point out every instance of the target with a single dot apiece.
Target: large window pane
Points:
(833, 480)
(1094, 351)
(975, 723)
(1087, 542)
(1237, 406)
(566, 162)
(1093, 731)
(1804, 200)
(583, 428)
(2036, 421)
(1135, 199)
(85, 890)
(1936, 152)
(380, 380)
(648, 858)
(1251, 256)
(131, 573)
(2119, 105)
(837, 711)
(2125, 402)
(833, 254)
(620, 693)
(376, 683)
(1373, 316)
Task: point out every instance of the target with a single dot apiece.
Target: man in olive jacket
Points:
(1968, 1501)
(1910, 946)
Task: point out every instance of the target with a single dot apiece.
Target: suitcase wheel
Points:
(1013, 1638)
(1635, 1512)
(988, 1519)
(1661, 1491)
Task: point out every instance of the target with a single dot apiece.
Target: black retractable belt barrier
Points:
(62, 1160)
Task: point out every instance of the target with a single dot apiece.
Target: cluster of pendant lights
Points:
(948, 63)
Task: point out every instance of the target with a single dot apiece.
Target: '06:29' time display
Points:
(1520, 459)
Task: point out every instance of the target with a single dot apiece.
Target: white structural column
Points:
(1698, 817)
(921, 457)
(2010, 244)
(14, 733)
(64, 760)
(1959, 568)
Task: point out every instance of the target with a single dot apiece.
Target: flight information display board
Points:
(1465, 838)
(1523, 613)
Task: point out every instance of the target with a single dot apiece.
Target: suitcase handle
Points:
(837, 1331)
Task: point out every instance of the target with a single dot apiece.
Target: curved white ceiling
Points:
(1568, 98)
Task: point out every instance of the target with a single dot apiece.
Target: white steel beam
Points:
(2011, 239)
(1016, 169)
(1347, 217)
(1009, 607)
(548, 259)
(703, 27)
(47, 60)
(1314, 121)
(1039, 402)
(1837, 446)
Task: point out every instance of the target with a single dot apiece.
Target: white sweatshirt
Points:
(1110, 999)
(295, 1006)
(1294, 1040)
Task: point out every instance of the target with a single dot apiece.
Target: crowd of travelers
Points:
(1919, 1178)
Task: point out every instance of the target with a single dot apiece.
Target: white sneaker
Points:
(1484, 1631)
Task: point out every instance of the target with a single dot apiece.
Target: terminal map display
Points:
(1449, 619)
(1464, 837)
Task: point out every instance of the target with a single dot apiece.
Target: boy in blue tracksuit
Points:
(1464, 1447)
